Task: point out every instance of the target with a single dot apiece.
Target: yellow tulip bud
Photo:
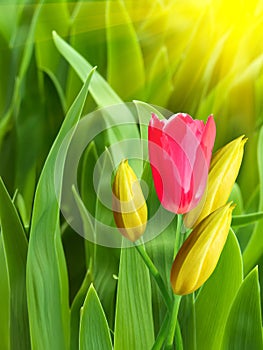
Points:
(129, 206)
(224, 168)
(199, 254)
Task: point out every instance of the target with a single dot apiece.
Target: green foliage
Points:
(254, 248)
(134, 322)
(47, 284)
(243, 328)
(215, 298)
(94, 331)
(15, 257)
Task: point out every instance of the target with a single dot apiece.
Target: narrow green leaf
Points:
(5, 63)
(88, 37)
(246, 219)
(47, 282)
(187, 320)
(27, 116)
(88, 194)
(88, 228)
(4, 300)
(124, 53)
(15, 248)
(254, 248)
(161, 248)
(216, 296)
(103, 262)
(236, 197)
(75, 311)
(134, 323)
(8, 19)
(99, 88)
(58, 19)
(160, 79)
(58, 87)
(244, 325)
(94, 331)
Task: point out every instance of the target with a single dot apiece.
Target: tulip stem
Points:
(155, 274)
(162, 334)
(173, 323)
(178, 234)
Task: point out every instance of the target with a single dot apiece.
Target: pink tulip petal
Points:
(180, 151)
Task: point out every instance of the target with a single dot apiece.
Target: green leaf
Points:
(5, 64)
(88, 193)
(161, 248)
(8, 19)
(160, 79)
(47, 281)
(133, 323)
(244, 325)
(58, 19)
(88, 37)
(124, 53)
(236, 197)
(99, 88)
(216, 296)
(104, 260)
(75, 311)
(4, 300)
(246, 219)
(94, 331)
(254, 248)
(15, 247)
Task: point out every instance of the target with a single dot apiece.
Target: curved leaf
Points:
(4, 300)
(215, 298)
(244, 325)
(99, 88)
(124, 53)
(47, 282)
(94, 331)
(254, 248)
(246, 219)
(15, 248)
(134, 322)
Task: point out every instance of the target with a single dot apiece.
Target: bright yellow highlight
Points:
(198, 256)
(224, 168)
(129, 206)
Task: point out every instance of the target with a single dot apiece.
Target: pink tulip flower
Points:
(180, 150)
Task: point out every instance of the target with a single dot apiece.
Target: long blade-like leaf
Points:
(254, 249)
(47, 282)
(99, 88)
(215, 298)
(134, 322)
(15, 247)
(244, 325)
(94, 331)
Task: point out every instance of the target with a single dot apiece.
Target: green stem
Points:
(162, 334)
(155, 273)
(178, 338)
(178, 234)
(173, 323)
(194, 319)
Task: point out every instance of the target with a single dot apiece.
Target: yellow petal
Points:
(224, 168)
(198, 256)
(129, 206)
